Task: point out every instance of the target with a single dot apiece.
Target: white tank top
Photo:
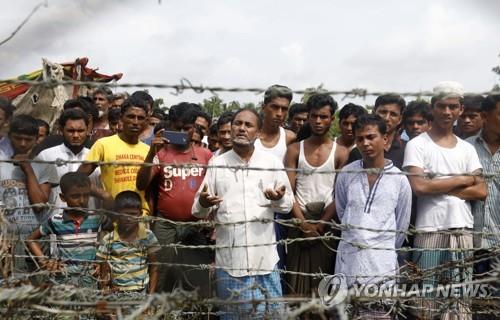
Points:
(315, 187)
(279, 150)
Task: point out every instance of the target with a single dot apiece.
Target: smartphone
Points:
(176, 137)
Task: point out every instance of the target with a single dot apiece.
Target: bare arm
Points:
(144, 175)
(153, 272)
(341, 156)
(37, 193)
(423, 186)
(36, 250)
(477, 191)
(87, 168)
(290, 137)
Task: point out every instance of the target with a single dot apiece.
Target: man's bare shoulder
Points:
(290, 136)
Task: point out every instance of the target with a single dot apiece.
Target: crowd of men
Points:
(113, 159)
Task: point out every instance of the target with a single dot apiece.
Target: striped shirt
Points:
(487, 213)
(128, 260)
(75, 241)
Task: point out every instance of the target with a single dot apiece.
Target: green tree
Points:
(310, 91)
(214, 106)
(158, 103)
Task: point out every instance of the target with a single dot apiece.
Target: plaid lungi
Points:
(442, 267)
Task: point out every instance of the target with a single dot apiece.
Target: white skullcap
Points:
(448, 89)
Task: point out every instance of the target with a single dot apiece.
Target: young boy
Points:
(128, 253)
(75, 231)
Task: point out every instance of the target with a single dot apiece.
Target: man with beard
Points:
(246, 257)
(313, 193)
(73, 124)
(102, 98)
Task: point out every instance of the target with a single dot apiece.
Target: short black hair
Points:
(472, 102)
(370, 120)
(7, 107)
(390, 99)
(296, 108)
(141, 94)
(43, 123)
(490, 102)
(320, 100)
(277, 91)
(226, 117)
(159, 113)
(24, 124)
(418, 107)
(212, 130)
(73, 114)
(114, 114)
(84, 103)
(127, 200)
(133, 102)
(73, 179)
(252, 110)
(175, 112)
(351, 109)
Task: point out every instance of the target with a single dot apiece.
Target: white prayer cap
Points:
(448, 89)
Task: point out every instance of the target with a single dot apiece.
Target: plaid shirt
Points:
(487, 213)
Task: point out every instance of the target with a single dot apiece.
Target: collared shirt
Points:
(386, 205)
(487, 213)
(396, 153)
(61, 151)
(247, 247)
(128, 260)
(76, 240)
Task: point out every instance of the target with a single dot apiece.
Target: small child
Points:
(75, 231)
(128, 253)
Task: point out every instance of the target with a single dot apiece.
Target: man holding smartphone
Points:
(177, 186)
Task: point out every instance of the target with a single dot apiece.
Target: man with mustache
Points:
(246, 257)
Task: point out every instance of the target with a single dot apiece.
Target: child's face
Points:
(128, 217)
(77, 196)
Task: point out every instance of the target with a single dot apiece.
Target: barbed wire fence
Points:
(20, 298)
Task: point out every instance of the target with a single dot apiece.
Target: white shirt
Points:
(316, 187)
(279, 149)
(244, 200)
(62, 152)
(440, 212)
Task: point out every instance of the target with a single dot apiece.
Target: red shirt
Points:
(178, 186)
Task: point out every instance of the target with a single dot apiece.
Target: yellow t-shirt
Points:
(116, 179)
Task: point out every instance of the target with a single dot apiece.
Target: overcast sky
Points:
(378, 45)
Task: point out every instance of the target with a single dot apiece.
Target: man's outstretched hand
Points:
(206, 200)
(275, 194)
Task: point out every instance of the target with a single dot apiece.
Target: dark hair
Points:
(277, 91)
(105, 91)
(72, 114)
(472, 103)
(418, 107)
(85, 103)
(370, 120)
(175, 112)
(114, 115)
(7, 107)
(351, 109)
(43, 123)
(320, 100)
(212, 130)
(127, 199)
(490, 102)
(189, 116)
(206, 116)
(133, 102)
(296, 108)
(252, 110)
(304, 132)
(226, 117)
(24, 124)
(390, 99)
(158, 113)
(144, 96)
(73, 179)
(163, 124)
